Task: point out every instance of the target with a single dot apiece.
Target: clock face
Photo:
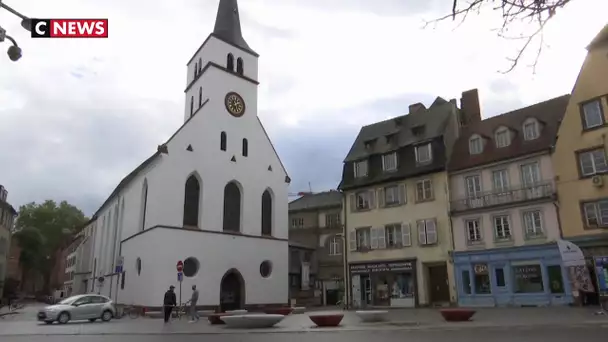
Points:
(235, 104)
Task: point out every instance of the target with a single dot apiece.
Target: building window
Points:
(499, 273)
(500, 180)
(502, 138)
(266, 269)
(232, 208)
(230, 62)
(427, 232)
(335, 246)
(473, 186)
(424, 190)
(475, 145)
(389, 162)
(556, 281)
(191, 267)
(191, 105)
(200, 65)
(391, 195)
(466, 282)
(223, 141)
(473, 230)
(593, 115)
(528, 279)
(592, 162)
(393, 236)
(360, 169)
(195, 70)
(200, 97)
(239, 66)
(363, 238)
(424, 154)
(332, 220)
(364, 200)
(482, 279)
(297, 222)
(502, 229)
(530, 174)
(266, 213)
(531, 130)
(245, 148)
(192, 195)
(533, 223)
(144, 205)
(596, 214)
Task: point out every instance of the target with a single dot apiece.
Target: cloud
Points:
(78, 115)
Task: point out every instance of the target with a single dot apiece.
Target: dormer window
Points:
(475, 145)
(389, 162)
(369, 144)
(418, 130)
(502, 137)
(391, 139)
(360, 168)
(531, 129)
(424, 154)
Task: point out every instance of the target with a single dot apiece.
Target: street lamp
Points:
(14, 51)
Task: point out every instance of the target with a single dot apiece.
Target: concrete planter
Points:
(368, 316)
(215, 319)
(235, 312)
(298, 310)
(326, 319)
(252, 321)
(279, 311)
(457, 315)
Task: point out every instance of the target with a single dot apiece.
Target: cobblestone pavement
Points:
(525, 334)
(399, 320)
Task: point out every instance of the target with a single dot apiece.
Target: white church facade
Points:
(214, 195)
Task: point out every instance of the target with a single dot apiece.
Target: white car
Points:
(77, 308)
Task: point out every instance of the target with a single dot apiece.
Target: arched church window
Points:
(191, 105)
(200, 66)
(239, 66)
(200, 96)
(144, 205)
(230, 62)
(266, 213)
(232, 208)
(223, 141)
(192, 195)
(245, 148)
(195, 70)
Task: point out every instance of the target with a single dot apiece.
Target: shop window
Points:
(482, 279)
(528, 279)
(500, 277)
(556, 282)
(392, 288)
(466, 282)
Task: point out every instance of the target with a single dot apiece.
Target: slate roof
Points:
(228, 25)
(602, 37)
(549, 113)
(321, 200)
(434, 119)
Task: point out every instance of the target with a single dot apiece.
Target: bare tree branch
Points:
(535, 12)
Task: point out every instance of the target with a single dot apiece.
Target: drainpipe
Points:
(345, 250)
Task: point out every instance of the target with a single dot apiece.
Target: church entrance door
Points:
(232, 291)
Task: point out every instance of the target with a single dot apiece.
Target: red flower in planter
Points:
(330, 320)
(457, 315)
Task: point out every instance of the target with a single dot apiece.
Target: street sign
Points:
(180, 266)
(180, 276)
(119, 263)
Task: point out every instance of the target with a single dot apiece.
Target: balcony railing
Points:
(507, 196)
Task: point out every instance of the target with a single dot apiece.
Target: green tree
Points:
(41, 229)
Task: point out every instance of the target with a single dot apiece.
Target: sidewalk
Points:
(414, 319)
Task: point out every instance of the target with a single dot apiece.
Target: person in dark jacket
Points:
(169, 302)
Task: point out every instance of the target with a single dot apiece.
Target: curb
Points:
(379, 327)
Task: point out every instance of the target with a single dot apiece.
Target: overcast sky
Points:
(77, 115)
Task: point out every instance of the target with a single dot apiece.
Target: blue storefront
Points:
(515, 276)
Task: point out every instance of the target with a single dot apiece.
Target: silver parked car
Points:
(78, 308)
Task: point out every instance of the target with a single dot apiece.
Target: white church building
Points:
(213, 196)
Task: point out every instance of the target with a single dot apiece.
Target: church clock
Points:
(235, 104)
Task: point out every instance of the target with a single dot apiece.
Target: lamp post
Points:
(14, 51)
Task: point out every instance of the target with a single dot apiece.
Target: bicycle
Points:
(342, 305)
(132, 311)
(181, 310)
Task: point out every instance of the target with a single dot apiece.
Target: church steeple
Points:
(228, 25)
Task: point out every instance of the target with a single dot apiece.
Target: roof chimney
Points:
(416, 107)
(469, 104)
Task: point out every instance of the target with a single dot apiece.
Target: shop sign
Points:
(396, 266)
(527, 272)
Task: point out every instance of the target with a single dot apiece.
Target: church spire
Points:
(228, 25)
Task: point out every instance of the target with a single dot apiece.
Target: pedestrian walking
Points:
(193, 301)
(169, 302)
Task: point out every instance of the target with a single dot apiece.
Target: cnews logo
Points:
(70, 28)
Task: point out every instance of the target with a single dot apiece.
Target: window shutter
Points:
(353, 202)
(381, 203)
(406, 235)
(372, 199)
(402, 194)
(421, 233)
(352, 241)
(431, 231)
(381, 237)
(374, 238)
